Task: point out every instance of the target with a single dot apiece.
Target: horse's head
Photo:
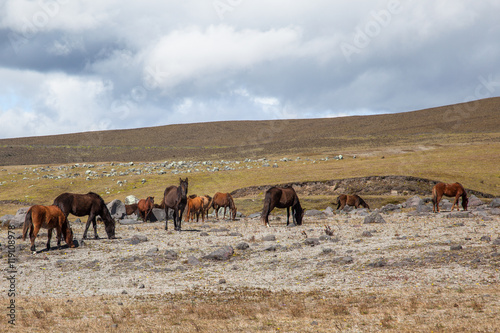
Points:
(69, 237)
(151, 200)
(233, 212)
(299, 215)
(183, 184)
(465, 202)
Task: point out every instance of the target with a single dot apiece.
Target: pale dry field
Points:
(404, 278)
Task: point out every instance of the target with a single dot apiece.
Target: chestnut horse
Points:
(223, 200)
(90, 204)
(145, 206)
(350, 200)
(175, 197)
(450, 190)
(195, 207)
(207, 203)
(282, 197)
(47, 217)
(131, 209)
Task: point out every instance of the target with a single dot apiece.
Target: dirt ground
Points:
(444, 268)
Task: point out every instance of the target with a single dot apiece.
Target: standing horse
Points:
(145, 206)
(175, 197)
(450, 190)
(207, 203)
(282, 197)
(90, 204)
(47, 217)
(351, 200)
(223, 200)
(131, 209)
(195, 207)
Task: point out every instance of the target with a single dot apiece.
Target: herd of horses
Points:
(176, 198)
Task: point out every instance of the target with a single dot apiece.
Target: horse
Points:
(47, 217)
(195, 207)
(223, 200)
(90, 204)
(131, 209)
(351, 200)
(282, 197)
(145, 206)
(175, 197)
(207, 203)
(450, 190)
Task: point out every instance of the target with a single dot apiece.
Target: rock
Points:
(328, 211)
(224, 253)
(495, 211)
(486, 239)
(142, 286)
(269, 238)
(347, 260)
(171, 255)
(203, 233)
(474, 201)
(311, 241)
(495, 203)
(496, 241)
(366, 234)
(136, 239)
(254, 215)
(381, 262)
(413, 202)
(460, 214)
(193, 261)
(391, 208)
(456, 247)
(271, 248)
(152, 251)
(158, 214)
(424, 208)
(313, 212)
(129, 222)
(374, 218)
(445, 204)
(222, 281)
(5, 220)
(116, 209)
(131, 199)
(242, 246)
(18, 220)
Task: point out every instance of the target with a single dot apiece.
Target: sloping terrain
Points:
(468, 122)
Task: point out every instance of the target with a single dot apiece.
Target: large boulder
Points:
(131, 199)
(413, 202)
(474, 201)
(374, 218)
(224, 253)
(18, 220)
(495, 203)
(5, 220)
(158, 214)
(117, 209)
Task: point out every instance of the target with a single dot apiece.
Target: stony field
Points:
(414, 271)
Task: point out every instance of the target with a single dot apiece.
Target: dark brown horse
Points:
(47, 217)
(175, 197)
(223, 200)
(90, 204)
(131, 209)
(282, 197)
(450, 190)
(195, 208)
(145, 206)
(351, 200)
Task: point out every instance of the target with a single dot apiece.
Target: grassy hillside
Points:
(441, 144)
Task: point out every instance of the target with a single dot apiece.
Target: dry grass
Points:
(409, 310)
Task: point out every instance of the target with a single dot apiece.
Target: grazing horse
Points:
(131, 209)
(175, 197)
(47, 217)
(90, 204)
(350, 200)
(145, 206)
(450, 190)
(207, 203)
(282, 197)
(223, 200)
(195, 207)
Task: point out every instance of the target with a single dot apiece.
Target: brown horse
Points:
(450, 190)
(145, 206)
(175, 197)
(131, 209)
(223, 200)
(207, 203)
(351, 200)
(90, 204)
(282, 197)
(195, 207)
(47, 217)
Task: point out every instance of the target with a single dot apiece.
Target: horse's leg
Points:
(438, 199)
(58, 234)
(455, 203)
(33, 233)
(181, 211)
(166, 218)
(91, 217)
(287, 215)
(216, 208)
(49, 236)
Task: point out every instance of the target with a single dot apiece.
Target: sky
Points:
(76, 66)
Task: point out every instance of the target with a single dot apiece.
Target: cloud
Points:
(217, 60)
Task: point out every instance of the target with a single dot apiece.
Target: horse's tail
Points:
(434, 195)
(28, 222)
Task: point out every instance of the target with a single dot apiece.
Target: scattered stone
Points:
(222, 281)
(495, 203)
(131, 199)
(328, 250)
(311, 241)
(413, 202)
(193, 261)
(379, 263)
(129, 222)
(152, 251)
(456, 247)
(347, 260)
(366, 234)
(204, 233)
(374, 218)
(136, 239)
(224, 253)
(313, 212)
(242, 246)
(474, 201)
(459, 215)
(391, 208)
(269, 238)
(124, 292)
(117, 209)
(486, 239)
(171, 255)
(496, 241)
(254, 215)
(141, 286)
